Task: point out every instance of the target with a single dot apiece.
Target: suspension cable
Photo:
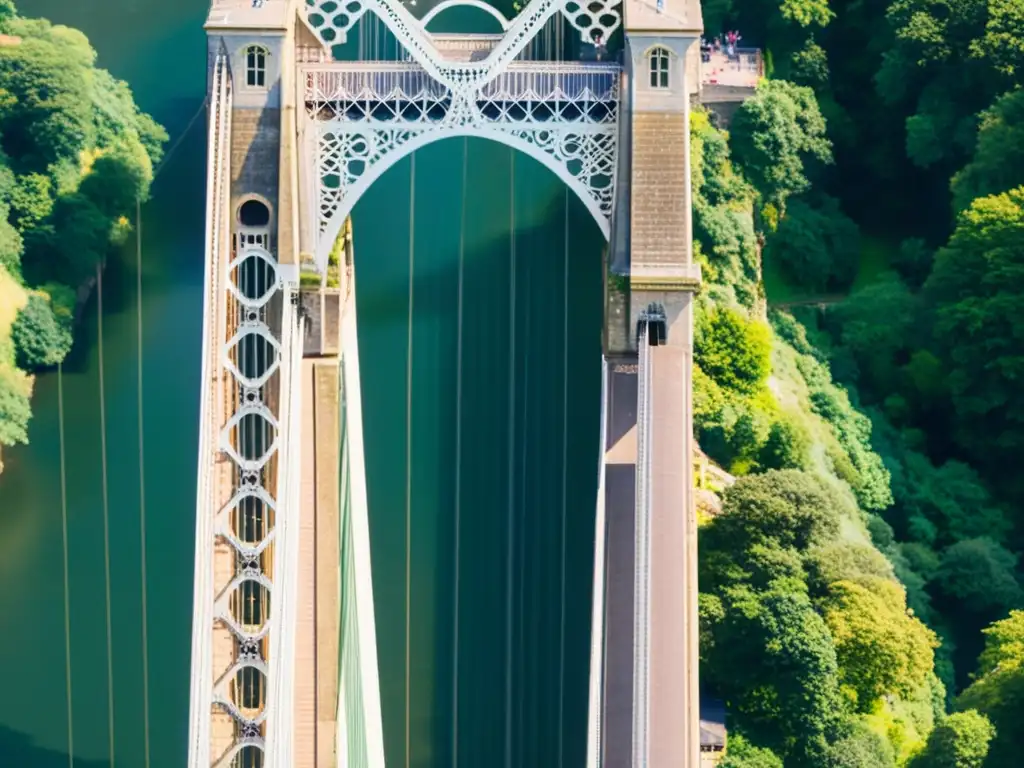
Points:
(458, 455)
(177, 143)
(511, 460)
(142, 489)
(565, 455)
(408, 454)
(106, 511)
(67, 581)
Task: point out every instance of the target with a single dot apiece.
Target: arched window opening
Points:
(253, 225)
(253, 213)
(256, 66)
(658, 59)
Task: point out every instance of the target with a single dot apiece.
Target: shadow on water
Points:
(527, 395)
(19, 749)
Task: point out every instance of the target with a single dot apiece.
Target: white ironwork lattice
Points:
(369, 115)
(595, 20)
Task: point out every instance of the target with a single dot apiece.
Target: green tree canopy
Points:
(977, 291)
(733, 350)
(978, 574)
(998, 689)
(40, 339)
(742, 754)
(998, 162)
(780, 673)
(774, 135)
(881, 650)
(15, 410)
(960, 741)
(816, 245)
(790, 508)
(948, 60)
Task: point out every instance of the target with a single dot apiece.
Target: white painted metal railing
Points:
(217, 192)
(595, 711)
(642, 573)
(281, 692)
(538, 81)
(463, 77)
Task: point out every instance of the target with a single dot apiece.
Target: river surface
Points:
(490, 418)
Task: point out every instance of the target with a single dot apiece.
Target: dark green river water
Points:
(485, 478)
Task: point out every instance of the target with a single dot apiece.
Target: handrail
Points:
(458, 76)
(597, 620)
(201, 688)
(281, 683)
(642, 586)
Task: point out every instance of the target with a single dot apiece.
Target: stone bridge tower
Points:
(651, 262)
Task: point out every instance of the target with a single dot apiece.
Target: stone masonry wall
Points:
(658, 196)
(255, 155)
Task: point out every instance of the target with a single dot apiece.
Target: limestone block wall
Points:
(255, 156)
(658, 197)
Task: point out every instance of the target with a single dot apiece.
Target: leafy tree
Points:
(774, 135)
(10, 244)
(998, 163)
(15, 410)
(860, 747)
(782, 677)
(51, 117)
(31, 201)
(913, 261)
(790, 508)
(960, 741)
(810, 65)
(877, 348)
(845, 561)
(743, 754)
(998, 689)
(732, 350)
(723, 223)
(788, 445)
(978, 574)
(40, 340)
(948, 60)
(976, 289)
(816, 245)
(881, 650)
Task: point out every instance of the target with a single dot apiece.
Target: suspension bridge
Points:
(310, 103)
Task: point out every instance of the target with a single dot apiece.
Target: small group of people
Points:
(715, 46)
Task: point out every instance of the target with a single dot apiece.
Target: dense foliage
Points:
(844, 609)
(75, 154)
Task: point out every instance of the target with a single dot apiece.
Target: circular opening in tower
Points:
(253, 213)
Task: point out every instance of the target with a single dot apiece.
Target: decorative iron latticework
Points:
(365, 116)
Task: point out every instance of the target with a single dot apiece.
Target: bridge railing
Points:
(595, 703)
(217, 195)
(642, 575)
(387, 81)
(743, 70)
(281, 693)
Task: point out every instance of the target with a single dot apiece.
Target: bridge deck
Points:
(316, 654)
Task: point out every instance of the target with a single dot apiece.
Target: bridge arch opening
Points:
(254, 217)
(567, 147)
(459, 15)
(249, 756)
